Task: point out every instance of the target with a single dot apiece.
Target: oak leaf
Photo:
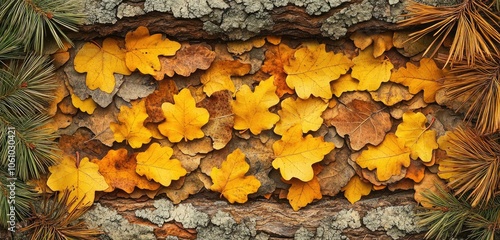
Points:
(302, 193)
(81, 177)
(186, 61)
(165, 93)
(430, 183)
(381, 41)
(419, 138)
(155, 164)
(295, 155)
(131, 127)
(344, 84)
(183, 119)
(391, 93)
(218, 76)
(220, 125)
(371, 71)
(364, 121)
(143, 50)
(100, 63)
(251, 108)
(118, 168)
(240, 47)
(356, 188)
(388, 157)
(424, 78)
(276, 58)
(88, 105)
(312, 68)
(230, 179)
(306, 113)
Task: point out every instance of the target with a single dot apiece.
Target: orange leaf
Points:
(240, 47)
(381, 41)
(119, 171)
(344, 84)
(143, 50)
(356, 188)
(276, 58)
(428, 183)
(100, 64)
(230, 179)
(295, 155)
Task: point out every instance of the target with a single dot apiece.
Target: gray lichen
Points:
(165, 211)
(331, 227)
(127, 10)
(114, 225)
(397, 221)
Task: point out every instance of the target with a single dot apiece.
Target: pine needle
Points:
(53, 220)
(473, 23)
(473, 163)
(481, 84)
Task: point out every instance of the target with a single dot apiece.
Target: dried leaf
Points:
(131, 127)
(186, 61)
(302, 193)
(356, 188)
(391, 93)
(418, 137)
(381, 41)
(88, 105)
(276, 58)
(305, 113)
(218, 76)
(230, 179)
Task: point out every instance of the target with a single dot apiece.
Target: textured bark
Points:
(273, 217)
(290, 21)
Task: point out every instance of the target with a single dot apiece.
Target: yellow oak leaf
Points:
(81, 177)
(295, 155)
(155, 164)
(381, 41)
(100, 63)
(118, 168)
(418, 137)
(387, 158)
(143, 50)
(131, 126)
(302, 193)
(88, 105)
(344, 84)
(426, 77)
(240, 47)
(312, 68)
(230, 179)
(371, 71)
(183, 119)
(356, 188)
(306, 113)
(218, 76)
(391, 93)
(251, 108)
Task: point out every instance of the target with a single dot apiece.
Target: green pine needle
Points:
(22, 194)
(36, 20)
(26, 87)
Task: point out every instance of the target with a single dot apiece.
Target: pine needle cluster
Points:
(55, 220)
(472, 166)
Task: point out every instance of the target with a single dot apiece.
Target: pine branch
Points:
(34, 21)
(26, 86)
(20, 196)
(54, 220)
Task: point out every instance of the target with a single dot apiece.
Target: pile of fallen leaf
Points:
(268, 117)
